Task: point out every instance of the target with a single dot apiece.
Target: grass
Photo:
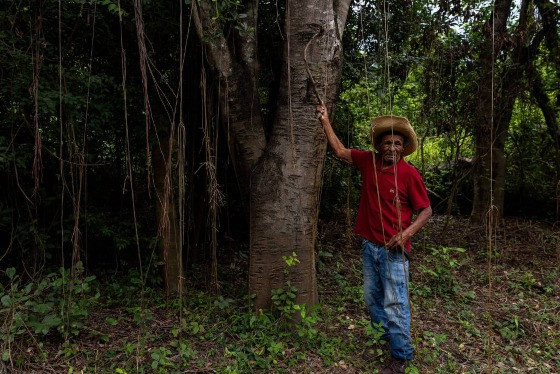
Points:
(464, 321)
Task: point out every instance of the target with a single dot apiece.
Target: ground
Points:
(479, 304)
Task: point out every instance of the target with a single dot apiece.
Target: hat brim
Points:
(383, 124)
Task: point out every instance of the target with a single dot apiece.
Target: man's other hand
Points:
(399, 240)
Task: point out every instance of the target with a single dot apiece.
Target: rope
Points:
(317, 34)
(130, 180)
(365, 66)
(490, 214)
(37, 59)
(139, 21)
(387, 63)
(387, 80)
(84, 137)
(181, 145)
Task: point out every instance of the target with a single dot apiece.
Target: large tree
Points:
(505, 56)
(278, 164)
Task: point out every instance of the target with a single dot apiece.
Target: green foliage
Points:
(113, 7)
(374, 341)
(222, 302)
(160, 359)
(433, 342)
(291, 260)
(439, 269)
(56, 304)
(530, 181)
(284, 300)
(470, 323)
(510, 329)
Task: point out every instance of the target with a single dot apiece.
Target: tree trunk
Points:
(484, 182)
(282, 176)
(493, 120)
(286, 182)
(237, 75)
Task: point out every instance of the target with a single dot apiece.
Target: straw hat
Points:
(383, 124)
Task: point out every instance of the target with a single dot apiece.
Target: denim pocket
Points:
(365, 243)
(396, 256)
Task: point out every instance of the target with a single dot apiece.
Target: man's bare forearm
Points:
(420, 221)
(399, 240)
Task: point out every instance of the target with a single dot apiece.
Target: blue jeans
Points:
(386, 296)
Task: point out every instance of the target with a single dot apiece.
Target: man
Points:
(391, 190)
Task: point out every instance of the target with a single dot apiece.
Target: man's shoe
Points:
(395, 366)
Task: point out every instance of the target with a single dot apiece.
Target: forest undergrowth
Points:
(472, 312)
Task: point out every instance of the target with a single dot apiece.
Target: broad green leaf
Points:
(11, 272)
(52, 320)
(42, 308)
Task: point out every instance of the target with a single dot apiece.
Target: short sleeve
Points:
(418, 195)
(361, 158)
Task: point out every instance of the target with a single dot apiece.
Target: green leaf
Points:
(89, 279)
(39, 327)
(11, 272)
(6, 300)
(51, 320)
(42, 308)
(470, 294)
(5, 355)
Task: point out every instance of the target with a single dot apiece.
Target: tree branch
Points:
(341, 8)
(210, 33)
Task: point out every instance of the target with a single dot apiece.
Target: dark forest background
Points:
(114, 149)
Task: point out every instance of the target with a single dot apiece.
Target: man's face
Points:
(391, 149)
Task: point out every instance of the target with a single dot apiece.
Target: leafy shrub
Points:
(57, 303)
(441, 263)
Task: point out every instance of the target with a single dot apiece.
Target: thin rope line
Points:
(365, 65)
(387, 63)
(61, 163)
(290, 119)
(131, 184)
(387, 79)
(490, 213)
(181, 138)
(84, 137)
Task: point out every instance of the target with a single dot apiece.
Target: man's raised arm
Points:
(338, 148)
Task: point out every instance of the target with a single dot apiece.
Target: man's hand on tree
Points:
(321, 111)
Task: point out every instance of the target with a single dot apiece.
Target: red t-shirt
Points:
(411, 193)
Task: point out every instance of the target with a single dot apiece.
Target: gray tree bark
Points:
(284, 172)
(287, 180)
(237, 73)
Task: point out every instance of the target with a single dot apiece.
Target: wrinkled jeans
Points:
(386, 296)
